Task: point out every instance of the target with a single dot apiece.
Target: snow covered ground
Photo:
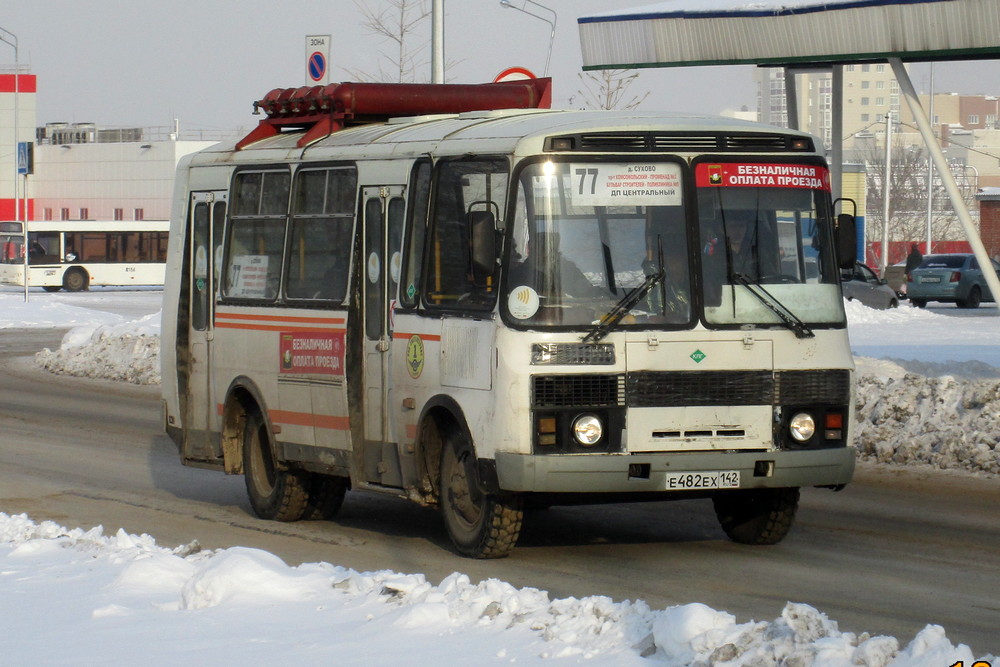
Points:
(78, 596)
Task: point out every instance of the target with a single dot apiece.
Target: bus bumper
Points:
(645, 473)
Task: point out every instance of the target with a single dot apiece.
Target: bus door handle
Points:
(382, 345)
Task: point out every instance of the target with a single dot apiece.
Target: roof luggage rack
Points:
(319, 111)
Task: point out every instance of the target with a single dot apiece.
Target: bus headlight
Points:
(588, 430)
(802, 426)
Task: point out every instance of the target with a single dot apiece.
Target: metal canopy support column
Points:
(906, 87)
(837, 132)
(791, 99)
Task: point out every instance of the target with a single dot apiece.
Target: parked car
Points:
(952, 278)
(863, 284)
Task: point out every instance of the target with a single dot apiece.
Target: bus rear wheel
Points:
(275, 493)
(481, 525)
(756, 516)
(75, 280)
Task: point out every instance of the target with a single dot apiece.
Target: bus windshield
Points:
(766, 243)
(607, 241)
(586, 236)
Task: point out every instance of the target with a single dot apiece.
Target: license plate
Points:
(931, 279)
(684, 481)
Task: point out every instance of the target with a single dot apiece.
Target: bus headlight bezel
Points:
(802, 427)
(588, 430)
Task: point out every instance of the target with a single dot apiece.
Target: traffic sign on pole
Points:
(317, 60)
(25, 157)
(514, 74)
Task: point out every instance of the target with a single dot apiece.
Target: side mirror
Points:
(482, 245)
(846, 240)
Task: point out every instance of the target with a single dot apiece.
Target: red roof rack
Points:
(320, 111)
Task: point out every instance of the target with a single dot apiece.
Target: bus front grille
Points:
(584, 391)
(664, 389)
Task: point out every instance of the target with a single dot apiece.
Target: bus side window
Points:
(322, 225)
(420, 193)
(450, 280)
(256, 235)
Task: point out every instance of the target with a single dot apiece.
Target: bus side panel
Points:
(173, 319)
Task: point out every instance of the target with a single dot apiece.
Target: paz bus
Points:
(456, 295)
(75, 254)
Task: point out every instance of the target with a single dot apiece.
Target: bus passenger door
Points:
(207, 215)
(383, 231)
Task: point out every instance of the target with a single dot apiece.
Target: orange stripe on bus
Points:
(279, 318)
(308, 419)
(427, 337)
(273, 327)
(302, 419)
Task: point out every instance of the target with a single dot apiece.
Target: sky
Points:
(108, 597)
(145, 63)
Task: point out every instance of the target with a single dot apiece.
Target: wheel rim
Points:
(463, 498)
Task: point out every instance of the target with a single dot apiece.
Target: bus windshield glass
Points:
(766, 243)
(588, 236)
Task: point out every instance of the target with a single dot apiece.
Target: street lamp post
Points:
(552, 23)
(7, 37)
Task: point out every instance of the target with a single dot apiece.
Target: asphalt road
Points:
(896, 550)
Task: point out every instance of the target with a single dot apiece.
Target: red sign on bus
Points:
(312, 353)
(762, 175)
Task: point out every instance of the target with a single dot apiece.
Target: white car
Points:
(863, 284)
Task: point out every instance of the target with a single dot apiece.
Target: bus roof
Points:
(519, 132)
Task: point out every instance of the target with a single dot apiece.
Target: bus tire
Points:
(326, 496)
(75, 280)
(481, 525)
(756, 516)
(275, 493)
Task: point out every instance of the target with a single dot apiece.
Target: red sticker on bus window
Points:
(312, 353)
(761, 175)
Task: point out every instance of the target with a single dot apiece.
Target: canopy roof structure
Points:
(807, 33)
(679, 33)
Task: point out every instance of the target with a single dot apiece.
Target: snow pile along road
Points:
(124, 585)
(126, 352)
(946, 422)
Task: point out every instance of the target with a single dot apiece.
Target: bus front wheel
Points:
(481, 525)
(756, 516)
(75, 280)
(275, 493)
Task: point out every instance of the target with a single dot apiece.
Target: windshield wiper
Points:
(615, 315)
(797, 326)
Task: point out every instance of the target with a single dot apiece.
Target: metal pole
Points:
(930, 170)
(552, 24)
(885, 194)
(791, 100)
(906, 87)
(837, 131)
(437, 42)
(10, 38)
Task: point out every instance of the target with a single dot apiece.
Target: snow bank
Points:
(107, 592)
(125, 352)
(946, 422)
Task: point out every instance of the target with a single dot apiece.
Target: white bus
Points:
(484, 311)
(75, 254)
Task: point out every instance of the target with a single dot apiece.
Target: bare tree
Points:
(608, 89)
(908, 195)
(397, 22)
